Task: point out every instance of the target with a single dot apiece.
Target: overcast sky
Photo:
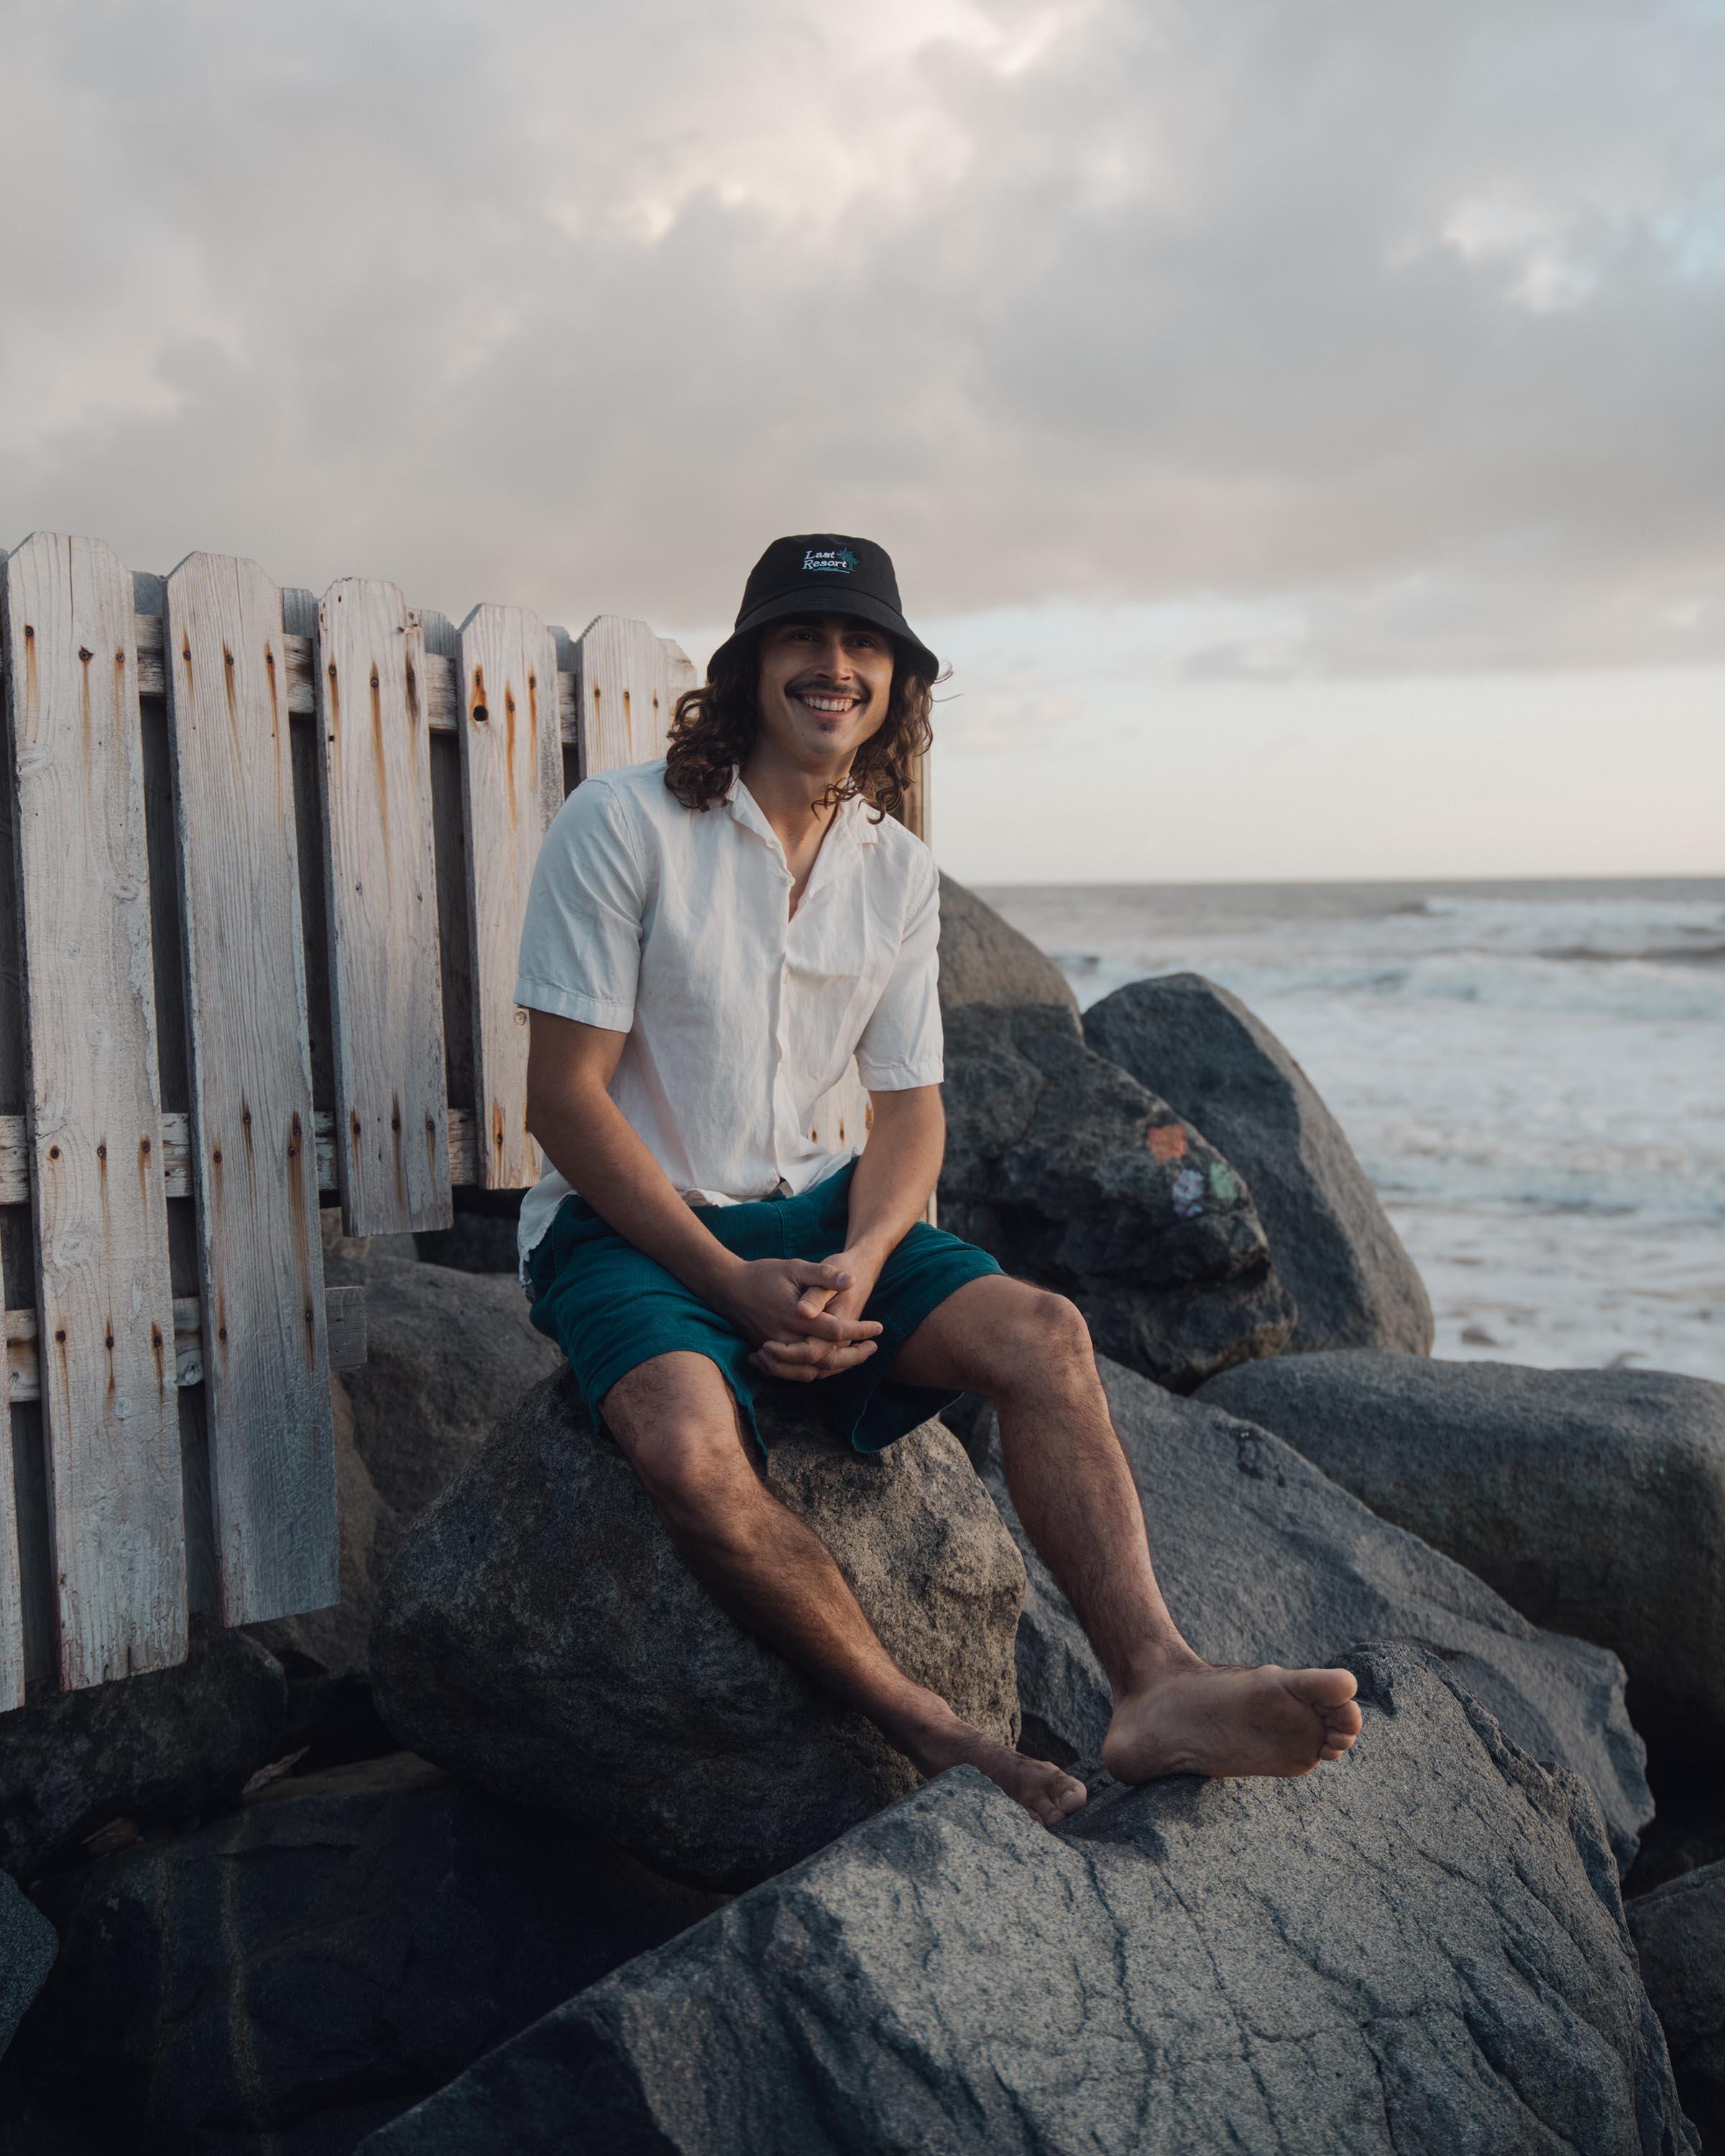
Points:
(1302, 422)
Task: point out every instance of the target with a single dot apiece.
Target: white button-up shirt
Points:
(674, 926)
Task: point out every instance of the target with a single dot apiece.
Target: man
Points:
(711, 937)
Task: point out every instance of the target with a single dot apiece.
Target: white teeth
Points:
(826, 703)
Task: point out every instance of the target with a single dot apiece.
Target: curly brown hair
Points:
(715, 728)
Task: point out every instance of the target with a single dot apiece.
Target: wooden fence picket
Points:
(512, 784)
(265, 1353)
(622, 693)
(14, 1231)
(11, 1600)
(680, 675)
(392, 1111)
(104, 1296)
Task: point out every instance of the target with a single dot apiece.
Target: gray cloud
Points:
(1408, 320)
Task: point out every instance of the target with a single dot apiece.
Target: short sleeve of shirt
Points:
(581, 940)
(902, 1044)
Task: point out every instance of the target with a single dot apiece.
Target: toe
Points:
(1326, 1690)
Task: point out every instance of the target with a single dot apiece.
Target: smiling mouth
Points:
(825, 703)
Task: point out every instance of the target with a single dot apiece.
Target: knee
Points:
(693, 1471)
(1053, 1341)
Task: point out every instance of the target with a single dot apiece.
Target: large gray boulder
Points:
(1221, 1068)
(1679, 1931)
(985, 960)
(1263, 1558)
(1593, 1500)
(1072, 1174)
(289, 1977)
(28, 1947)
(447, 1354)
(144, 1748)
(539, 1635)
(1420, 1952)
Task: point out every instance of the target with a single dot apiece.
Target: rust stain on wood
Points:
(85, 656)
(380, 761)
(401, 1165)
(302, 1233)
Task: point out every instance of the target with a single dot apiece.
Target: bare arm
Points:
(589, 1140)
(899, 1168)
(900, 1165)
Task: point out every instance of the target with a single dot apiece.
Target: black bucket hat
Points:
(825, 572)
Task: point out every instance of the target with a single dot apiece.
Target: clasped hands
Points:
(804, 1319)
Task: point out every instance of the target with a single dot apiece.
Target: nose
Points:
(834, 660)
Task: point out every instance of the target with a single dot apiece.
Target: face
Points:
(825, 683)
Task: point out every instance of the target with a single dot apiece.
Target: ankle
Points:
(929, 1733)
(1152, 1664)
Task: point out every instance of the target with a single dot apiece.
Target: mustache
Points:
(825, 685)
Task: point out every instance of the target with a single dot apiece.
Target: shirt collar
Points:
(853, 825)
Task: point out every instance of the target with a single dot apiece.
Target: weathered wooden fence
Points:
(262, 863)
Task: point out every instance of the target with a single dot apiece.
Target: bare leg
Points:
(1029, 1352)
(677, 1423)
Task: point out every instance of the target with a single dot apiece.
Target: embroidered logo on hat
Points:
(839, 560)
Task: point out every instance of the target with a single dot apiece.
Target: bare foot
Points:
(1041, 1787)
(1222, 1719)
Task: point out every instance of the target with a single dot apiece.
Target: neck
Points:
(785, 790)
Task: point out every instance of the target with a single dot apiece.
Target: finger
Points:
(829, 1327)
(786, 1360)
(776, 1365)
(814, 1300)
(845, 1358)
(806, 1274)
(798, 1350)
(793, 1374)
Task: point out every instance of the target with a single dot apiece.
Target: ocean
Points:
(1532, 1074)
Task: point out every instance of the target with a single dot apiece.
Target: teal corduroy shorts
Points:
(609, 1306)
